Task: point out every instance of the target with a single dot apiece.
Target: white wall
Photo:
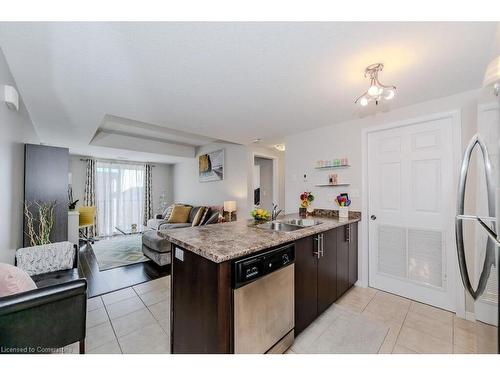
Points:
(188, 188)
(238, 178)
(162, 180)
(16, 129)
(344, 140)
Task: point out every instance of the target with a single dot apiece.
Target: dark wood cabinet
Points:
(353, 253)
(342, 260)
(201, 305)
(326, 266)
(327, 270)
(306, 283)
(46, 180)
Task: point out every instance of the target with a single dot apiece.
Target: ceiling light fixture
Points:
(280, 147)
(377, 91)
(256, 140)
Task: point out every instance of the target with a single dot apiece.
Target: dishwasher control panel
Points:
(248, 269)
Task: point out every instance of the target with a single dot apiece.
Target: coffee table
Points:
(127, 229)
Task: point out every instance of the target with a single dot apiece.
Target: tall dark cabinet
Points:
(306, 283)
(326, 266)
(327, 270)
(46, 179)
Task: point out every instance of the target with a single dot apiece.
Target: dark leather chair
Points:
(52, 316)
(45, 318)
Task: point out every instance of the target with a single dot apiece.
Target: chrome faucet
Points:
(275, 212)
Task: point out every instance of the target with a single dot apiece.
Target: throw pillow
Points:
(193, 213)
(206, 215)
(180, 214)
(168, 212)
(14, 280)
(213, 219)
(199, 215)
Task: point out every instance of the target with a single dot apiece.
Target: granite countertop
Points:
(227, 241)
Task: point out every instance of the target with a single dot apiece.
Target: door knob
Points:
(373, 217)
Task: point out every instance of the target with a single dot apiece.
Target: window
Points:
(119, 195)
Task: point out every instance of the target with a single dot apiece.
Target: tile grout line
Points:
(110, 321)
(113, 328)
(401, 328)
(371, 299)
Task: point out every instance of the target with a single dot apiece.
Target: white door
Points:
(411, 208)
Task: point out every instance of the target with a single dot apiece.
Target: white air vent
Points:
(425, 257)
(392, 254)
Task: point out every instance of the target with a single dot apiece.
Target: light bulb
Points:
(389, 94)
(373, 90)
(363, 101)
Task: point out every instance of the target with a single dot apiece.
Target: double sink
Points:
(288, 225)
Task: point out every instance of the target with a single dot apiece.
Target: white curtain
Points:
(120, 196)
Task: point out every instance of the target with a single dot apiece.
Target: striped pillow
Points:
(168, 212)
(199, 216)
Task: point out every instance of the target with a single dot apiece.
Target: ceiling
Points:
(186, 84)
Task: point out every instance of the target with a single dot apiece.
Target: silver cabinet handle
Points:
(322, 244)
(318, 252)
(489, 259)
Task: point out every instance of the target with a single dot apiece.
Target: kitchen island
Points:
(203, 258)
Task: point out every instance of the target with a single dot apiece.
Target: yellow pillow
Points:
(180, 214)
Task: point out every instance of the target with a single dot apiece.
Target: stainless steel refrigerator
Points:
(479, 259)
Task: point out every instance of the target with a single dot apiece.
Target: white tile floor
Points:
(131, 320)
(137, 320)
(413, 327)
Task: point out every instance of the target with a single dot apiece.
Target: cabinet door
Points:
(353, 254)
(342, 260)
(327, 271)
(306, 284)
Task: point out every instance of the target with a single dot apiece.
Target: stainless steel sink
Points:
(301, 222)
(288, 225)
(278, 226)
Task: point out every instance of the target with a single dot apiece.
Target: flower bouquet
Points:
(260, 215)
(306, 198)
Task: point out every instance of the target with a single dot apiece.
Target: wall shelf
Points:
(332, 185)
(333, 167)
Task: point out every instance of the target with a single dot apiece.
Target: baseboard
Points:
(361, 283)
(470, 316)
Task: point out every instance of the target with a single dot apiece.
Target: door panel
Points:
(342, 260)
(327, 271)
(306, 284)
(411, 196)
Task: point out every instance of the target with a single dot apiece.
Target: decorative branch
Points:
(40, 218)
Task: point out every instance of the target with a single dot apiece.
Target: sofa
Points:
(156, 247)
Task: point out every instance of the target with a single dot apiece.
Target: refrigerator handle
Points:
(489, 259)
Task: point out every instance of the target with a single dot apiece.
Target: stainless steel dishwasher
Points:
(263, 291)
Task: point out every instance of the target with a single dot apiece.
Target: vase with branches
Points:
(40, 219)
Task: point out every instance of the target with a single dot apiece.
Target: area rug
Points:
(118, 251)
(340, 331)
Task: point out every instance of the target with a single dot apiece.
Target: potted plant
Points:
(306, 198)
